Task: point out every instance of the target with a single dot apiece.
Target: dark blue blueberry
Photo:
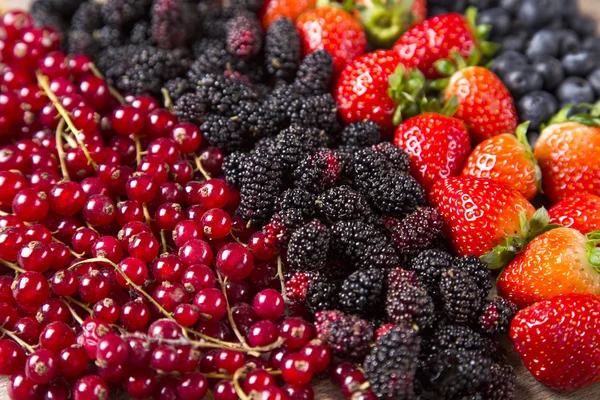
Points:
(594, 80)
(522, 80)
(592, 43)
(536, 13)
(575, 90)
(508, 60)
(551, 70)
(498, 18)
(568, 41)
(580, 63)
(512, 6)
(543, 43)
(516, 41)
(481, 4)
(532, 137)
(437, 10)
(582, 24)
(537, 107)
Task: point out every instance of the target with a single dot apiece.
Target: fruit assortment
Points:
(236, 200)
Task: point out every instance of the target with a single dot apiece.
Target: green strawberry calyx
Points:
(482, 32)
(585, 113)
(521, 134)
(385, 21)
(593, 251)
(503, 254)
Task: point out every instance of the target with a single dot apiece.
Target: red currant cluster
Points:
(122, 264)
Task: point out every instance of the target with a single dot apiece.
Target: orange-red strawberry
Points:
(559, 261)
(438, 146)
(335, 30)
(434, 39)
(577, 212)
(508, 159)
(569, 154)
(484, 103)
(274, 9)
(558, 341)
(480, 213)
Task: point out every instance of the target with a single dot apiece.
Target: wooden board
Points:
(527, 387)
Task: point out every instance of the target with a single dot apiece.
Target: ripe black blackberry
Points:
(248, 5)
(477, 269)
(496, 316)
(317, 111)
(362, 246)
(421, 230)
(460, 295)
(232, 167)
(109, 36)
(190, 108)
(502, 384)
(80, 42)
(379, 159)
(398, 159)
(223, 132)
(407, 301)
(298, 199)
(429, 265)
(223, 95)
(319, 171)
(261, 181)
(88, 17)
(141, 33)
(259, 119)
(125, 13)
(214, 19)
(66, 8)
(342, 203)
(361, 292)
(391, 365)
(177, 87)
(321, 295)
(456, 361)
(357, 135)
(282, 49)
(244, 35)
(308, 247)
(348, 336)
(315, 74)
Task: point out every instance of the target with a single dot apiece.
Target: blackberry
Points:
(407, 301)
(361, 292)
(244, 35)
(315, 74)
(282, 49)
(88, 17)
(428, 266)
(141, 33)
(347, 336)
(477, 269)
(317, 111)
(308, 247)
(66, 8)
(502, 384)
(248, 5)
(321, 295)
(190, 108)
(298, 199)
(461, 298)
(496, 316)
(398, 159)
(80, 42)
(282, 225)
(318, 172)
(214, 20)
(125, 13)
(222, 95)
(43, 14)
(379, 159)
(259, 119)
(421, 230)
(177, 87)
(358, 135)
(391, 365)
(284, 99)
(261, 181)
(231, 167)
(294, 143)
(362, 246)
(342, 203)
(173, 23)
(456, 361)
(109, 36)
(223, 132)
(212, 57)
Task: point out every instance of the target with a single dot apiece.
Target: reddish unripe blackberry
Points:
(346, 335)
(244, 35)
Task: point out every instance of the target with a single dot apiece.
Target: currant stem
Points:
(163, 240)
(281, 278)
(12, 266)
(76, 316)
(17, 339)
(138, 149)
(240, 373)
(147, 216)
(234, 326)
(111, 89)
(168, 100)
(60, 130)
(201, 168)
(80, 304)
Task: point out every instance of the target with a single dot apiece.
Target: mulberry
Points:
(347, 335)
(317, 111)
(173, 23)
(429, 266)
(124, 13)
(222, 95)
(362, 291)
(223, 132)
(461, 297)
(232, 167)
(88, 17)
(496, 316)
(318, 172)
(298, 199)
(321, 295)
(308, 247)
(421, 230)
(244, 35)
(357, 135)
(315, 74)
(342, 203)
(282, 49)
(407, 301)
(190, 108)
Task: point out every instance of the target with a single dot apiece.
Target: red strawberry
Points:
(434, 39)
(558, 341)
(568, 155)
(484, 103)
(273, 9)
(560, 261)
(438, 146)
(479, 213)
(508, 159)
(335, 30)
(578, 212)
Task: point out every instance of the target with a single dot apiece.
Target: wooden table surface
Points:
(527, 387)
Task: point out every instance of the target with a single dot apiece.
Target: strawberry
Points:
(481, 213)
(577, 212)
(558, 341)
(434, 39)
(559, 261)
(438, 146)
(273, 9)
(508, 159)
(568, 151)
(376, 87)
(484, 103)
(335, 30)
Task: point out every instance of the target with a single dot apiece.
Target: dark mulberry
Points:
(347, 335)
(177, 87)
(222, 95)
(125, 13)
(88, 17)
(407, 301)
(357, 135)
(190, 108)
(315, 74)
(496, 316)
(232, 167)
(362, 291)
(223, 132)
(318, 172)
(461, 297)
(282, 49)
(321, 295)
(421, 230)
(317, 111)
(429, 266)
(298, 199)
(173, 23)
(308, 247)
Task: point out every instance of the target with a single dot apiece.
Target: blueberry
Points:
(575, 90)
(592, 43)
(532, 137)
(506, 61)
(537, 13)
(522, 80)
(543, 43)
(498, 18)
(580, 63)
(582, 24)
(437, 10)
(568, 41)
(594, 80)
(551, 70)
(537, 107)
(481, 4)
(515, 41)
(571, 10)
(512, 6)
